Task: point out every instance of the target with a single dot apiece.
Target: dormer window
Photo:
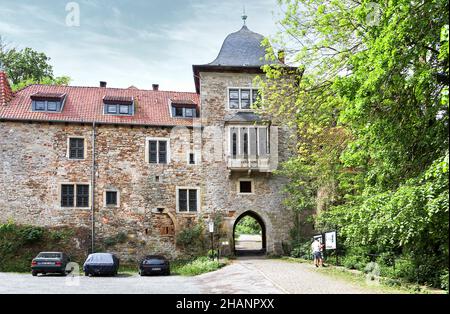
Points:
(119, 105)
(183, 108)
(47, 102)
(242, 98)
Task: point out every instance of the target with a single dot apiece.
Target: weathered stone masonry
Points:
(34, 163)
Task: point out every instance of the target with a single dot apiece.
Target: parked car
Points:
(154, 264)
(49, 263)
(101, 264)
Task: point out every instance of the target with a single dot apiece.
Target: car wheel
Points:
(33, 273)
(86, 273)
(141, 273)
(168, 272)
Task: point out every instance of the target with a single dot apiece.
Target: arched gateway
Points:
(263, 248)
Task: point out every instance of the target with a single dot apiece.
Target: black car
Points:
(101, 264)
(49, 263)
(154, 264)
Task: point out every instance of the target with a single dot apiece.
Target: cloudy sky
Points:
(131, 42)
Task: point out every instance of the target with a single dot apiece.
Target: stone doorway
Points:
(249, 235)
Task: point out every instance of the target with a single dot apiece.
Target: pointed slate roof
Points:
(243, 49)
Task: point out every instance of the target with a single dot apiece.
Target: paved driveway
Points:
(243, 276)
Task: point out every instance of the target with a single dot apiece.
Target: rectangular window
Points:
(191, 159)
(44, 105)
(184, 112)
(111, 198)
(245, 186)
(187, 200)
(242, 98)
(182, 200)
(74, 195)
(255, 95)
(111, 109)
(162, 152)
(245, 99)
(82, 195)
(124, 109)
(39, 105)
(52, 106)
(192, 200)
(234, 98)
(158, 151)
(248, 142)
(178, 112)
(76, 148)
(118, 108)
(190, 112)
(67, 195)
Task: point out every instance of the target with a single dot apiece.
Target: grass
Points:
(383, 285)
(195, 267)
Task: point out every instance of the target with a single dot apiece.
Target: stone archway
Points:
(262, 224)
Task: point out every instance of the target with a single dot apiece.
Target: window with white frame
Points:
(158, 150)
(248, 142)
(242, 98)
(187, 199)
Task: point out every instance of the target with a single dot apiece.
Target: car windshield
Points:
(100, 258)
(49, 255)
(154, 260)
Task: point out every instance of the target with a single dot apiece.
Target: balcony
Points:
(247, 163)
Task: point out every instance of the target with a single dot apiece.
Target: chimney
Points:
(102, 84)
(6, 93)
(281, 55)
(155, 86)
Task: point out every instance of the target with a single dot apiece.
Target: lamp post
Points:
(211, 232)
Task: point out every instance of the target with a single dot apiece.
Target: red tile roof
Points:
(85, 104)
(6, 93)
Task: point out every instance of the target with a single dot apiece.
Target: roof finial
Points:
(244, 16)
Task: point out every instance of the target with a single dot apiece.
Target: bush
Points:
(444, 281)
(199, 266)
(355, 262)
(19, 244)
(302, 251)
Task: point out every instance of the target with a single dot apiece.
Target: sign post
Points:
(211, 231)
(331, 242)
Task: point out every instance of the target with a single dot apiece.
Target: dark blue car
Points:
(101, 264)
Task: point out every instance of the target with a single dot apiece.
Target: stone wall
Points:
(34, 164)
(221, 192)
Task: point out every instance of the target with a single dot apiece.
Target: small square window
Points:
(190, 112)
(111, 198)
(178, 112)
(40, 105)
(111, 108)
(52, 106)
(124, 109)
(245, 186)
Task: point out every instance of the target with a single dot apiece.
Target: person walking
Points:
(315, 248)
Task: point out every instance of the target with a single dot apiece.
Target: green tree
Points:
(371, 114)
(27, 66)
